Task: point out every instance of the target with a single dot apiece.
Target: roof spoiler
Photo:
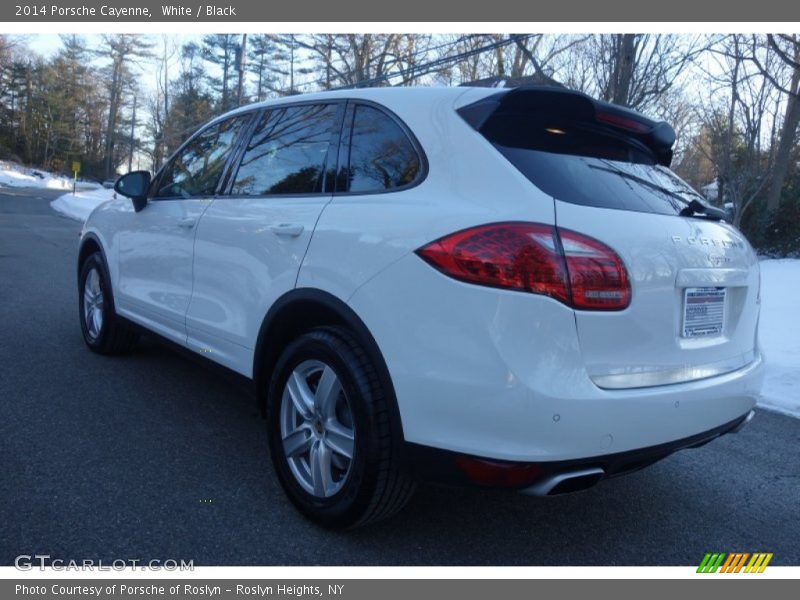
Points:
(658, 136)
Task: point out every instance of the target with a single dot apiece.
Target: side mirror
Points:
(134, 185)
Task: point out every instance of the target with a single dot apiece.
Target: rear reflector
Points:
(572, 268)
(495, 473)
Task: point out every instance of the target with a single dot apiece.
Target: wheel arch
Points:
(299, 311)
(90, 243)
(88, 246)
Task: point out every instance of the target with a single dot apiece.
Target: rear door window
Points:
(381, 155)
(288, 151)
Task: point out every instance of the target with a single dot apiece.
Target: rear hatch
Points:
(694, 279)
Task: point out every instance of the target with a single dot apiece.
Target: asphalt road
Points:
(152, 456)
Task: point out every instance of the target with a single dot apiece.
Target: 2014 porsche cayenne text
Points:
(503, 288)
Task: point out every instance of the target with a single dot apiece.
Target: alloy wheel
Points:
(317, 428)
(93, 302)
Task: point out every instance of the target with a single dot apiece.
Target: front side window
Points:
(287, 152)
(197, 168)
(382, 156)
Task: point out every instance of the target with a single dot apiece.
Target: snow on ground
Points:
(80, 205)
(779, 333)
(779, 329)
(13, 176)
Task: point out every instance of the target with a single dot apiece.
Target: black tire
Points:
(376, 485)
(112, 336)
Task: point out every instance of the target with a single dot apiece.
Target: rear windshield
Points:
(588, 164)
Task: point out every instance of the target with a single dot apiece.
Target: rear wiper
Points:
(642, 181)
(695, 208)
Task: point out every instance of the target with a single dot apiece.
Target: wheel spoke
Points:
(88, 297)
(321, 469)
(339, 439)
(90, 319)
(298, 442)
(97, 319)
(327, 392)
(301, 396)
(94, 281)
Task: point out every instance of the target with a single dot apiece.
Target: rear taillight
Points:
(598, 279)
(541, 259)
(517, 256)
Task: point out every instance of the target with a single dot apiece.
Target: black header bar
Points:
(248, 11)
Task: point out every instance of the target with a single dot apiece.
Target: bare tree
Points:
(538, 56)
(464, 70)
(633, 70)
(121, 50)
(220, 49)
(7, 45)
(158, 103)
(787, 49)
(739, 118)
(406, 54)
(264, 54)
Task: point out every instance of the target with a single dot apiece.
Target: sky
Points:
(44, 44)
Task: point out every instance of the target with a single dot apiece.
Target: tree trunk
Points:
(112, 118)
(328, 61)
(500, 57)
(780, 170)
(724, 177)
(624, 63)
(166, 83)
(28, 130)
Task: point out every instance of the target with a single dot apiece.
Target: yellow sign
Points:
(76, 166)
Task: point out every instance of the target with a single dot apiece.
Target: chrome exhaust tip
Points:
(744, 422)
(563, 483)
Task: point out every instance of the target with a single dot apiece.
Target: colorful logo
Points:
(734, 562)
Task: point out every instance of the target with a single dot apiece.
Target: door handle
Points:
(290, 229)
(187, 222)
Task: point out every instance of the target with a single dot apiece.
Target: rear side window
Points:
(196, 168)
(381, 157)
(586, 163)
(287, 152)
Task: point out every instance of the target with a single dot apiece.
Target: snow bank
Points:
(779, 333)
(21, 177)
(82, 203)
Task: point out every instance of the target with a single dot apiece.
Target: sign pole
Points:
(76, 168)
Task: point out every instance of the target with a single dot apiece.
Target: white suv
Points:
(504, 288)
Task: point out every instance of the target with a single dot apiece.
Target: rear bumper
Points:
(549, 478)
(500, 374)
